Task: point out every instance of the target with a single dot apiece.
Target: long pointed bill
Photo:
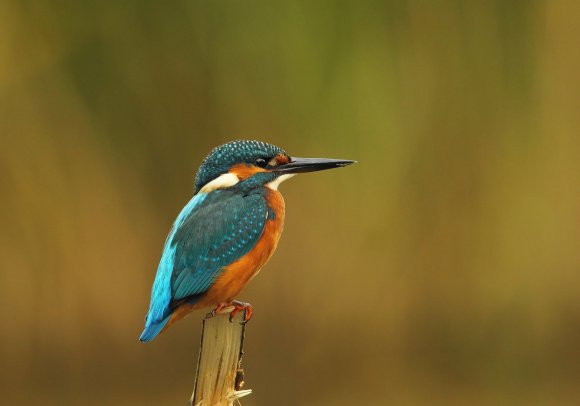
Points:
(301, 165)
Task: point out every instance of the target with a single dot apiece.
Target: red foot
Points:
(217, 310)
(248, 308)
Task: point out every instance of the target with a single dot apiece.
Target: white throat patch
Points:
(221, 182)
(276, 182)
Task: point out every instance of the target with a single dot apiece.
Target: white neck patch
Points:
(276, 182)
(221, 182)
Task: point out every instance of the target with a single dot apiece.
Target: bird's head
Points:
(256, 163)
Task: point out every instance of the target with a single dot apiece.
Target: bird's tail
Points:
(152, 329)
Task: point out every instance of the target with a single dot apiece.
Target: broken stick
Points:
(219, 378)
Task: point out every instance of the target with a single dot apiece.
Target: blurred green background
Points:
(444, 268)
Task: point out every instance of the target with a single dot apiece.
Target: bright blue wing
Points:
(212, 231)
(223, 229)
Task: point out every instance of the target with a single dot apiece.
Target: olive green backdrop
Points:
(443, 268)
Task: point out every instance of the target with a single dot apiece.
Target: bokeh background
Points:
(443, 268)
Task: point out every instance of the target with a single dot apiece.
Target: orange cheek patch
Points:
(281, 159)
(245, 171)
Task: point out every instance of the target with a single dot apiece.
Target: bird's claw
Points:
(237, 306)
(215, 311)
(248, 311)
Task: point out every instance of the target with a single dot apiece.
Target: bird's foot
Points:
(237, 306)
(248, 309)
(218, 310)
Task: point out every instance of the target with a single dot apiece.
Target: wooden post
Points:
(219, 378)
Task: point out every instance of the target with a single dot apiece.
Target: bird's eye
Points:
(261, 162)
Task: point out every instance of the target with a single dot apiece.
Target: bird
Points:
(226, 233)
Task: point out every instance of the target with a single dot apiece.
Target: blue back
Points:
(212, 231)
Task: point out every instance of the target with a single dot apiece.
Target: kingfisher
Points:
(226, 233)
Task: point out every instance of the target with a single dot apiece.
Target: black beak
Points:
(301, 165)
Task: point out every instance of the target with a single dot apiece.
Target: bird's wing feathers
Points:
(221, 230)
